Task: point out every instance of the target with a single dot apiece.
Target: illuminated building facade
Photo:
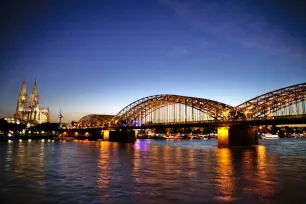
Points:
(30, 111)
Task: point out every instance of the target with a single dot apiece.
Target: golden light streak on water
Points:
(224, 175)
(103, 165)
(153, 172)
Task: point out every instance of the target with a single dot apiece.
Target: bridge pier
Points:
(105, 135)
(223, 136)
(124, 136)
(237, 135)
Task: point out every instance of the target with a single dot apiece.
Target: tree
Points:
(5, 126)
(45, 127)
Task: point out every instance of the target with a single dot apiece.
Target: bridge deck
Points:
(277, 120)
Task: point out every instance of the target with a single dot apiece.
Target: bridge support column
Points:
(223, 136)
(136, 133)
(105, 135)
(238, 135)
(124, 136)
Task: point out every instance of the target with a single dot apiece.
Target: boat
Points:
(269, 136)
(204, 137)
(174, 137)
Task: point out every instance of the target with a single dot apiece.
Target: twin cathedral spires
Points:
(30, 111)
(23, 96)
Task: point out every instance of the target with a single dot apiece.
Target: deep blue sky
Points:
(99, 56)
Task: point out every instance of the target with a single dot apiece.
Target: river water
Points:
(151, 171)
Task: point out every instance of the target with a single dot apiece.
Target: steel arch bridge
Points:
(171, 108)
(94, 120)
(281, 102)
(166, 108)
(175, 109)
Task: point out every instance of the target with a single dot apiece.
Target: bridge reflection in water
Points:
(225, 175)
(151, 171)
(172, 172)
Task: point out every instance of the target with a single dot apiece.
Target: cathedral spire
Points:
(35, 88)
(23, 90)
(22, 102)
(34, 96)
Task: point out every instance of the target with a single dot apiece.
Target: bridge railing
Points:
(229, 121)
(273, 117)
(301, 116)
(181, 122)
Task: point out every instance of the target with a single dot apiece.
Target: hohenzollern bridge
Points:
(282, 106)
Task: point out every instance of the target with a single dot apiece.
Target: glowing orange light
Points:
(106, 135)
(224, 175)
(223, 140)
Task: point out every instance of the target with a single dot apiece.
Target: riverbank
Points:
(26, 137)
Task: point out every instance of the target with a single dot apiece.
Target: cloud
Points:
(233, 22)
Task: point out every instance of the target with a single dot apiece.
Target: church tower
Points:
(34, 104)
(30, 111)
(22, 103)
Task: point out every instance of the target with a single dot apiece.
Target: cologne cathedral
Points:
(29, 111)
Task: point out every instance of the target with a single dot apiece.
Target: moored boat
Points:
(269, 136)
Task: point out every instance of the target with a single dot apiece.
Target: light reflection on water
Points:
(191, 171)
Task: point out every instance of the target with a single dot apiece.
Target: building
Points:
(12, 120)
(30, 111)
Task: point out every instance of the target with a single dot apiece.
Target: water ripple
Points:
(152, 172)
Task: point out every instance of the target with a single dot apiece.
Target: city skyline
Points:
(98, 57)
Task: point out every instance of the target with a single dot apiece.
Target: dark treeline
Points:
(5, 126)
(47, 127)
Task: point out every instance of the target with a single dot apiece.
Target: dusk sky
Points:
(99, 56)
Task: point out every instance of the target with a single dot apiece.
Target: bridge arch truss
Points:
(94, 121)
(281, 102)
(166, 108)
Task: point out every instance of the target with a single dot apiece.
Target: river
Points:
(152, 171)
